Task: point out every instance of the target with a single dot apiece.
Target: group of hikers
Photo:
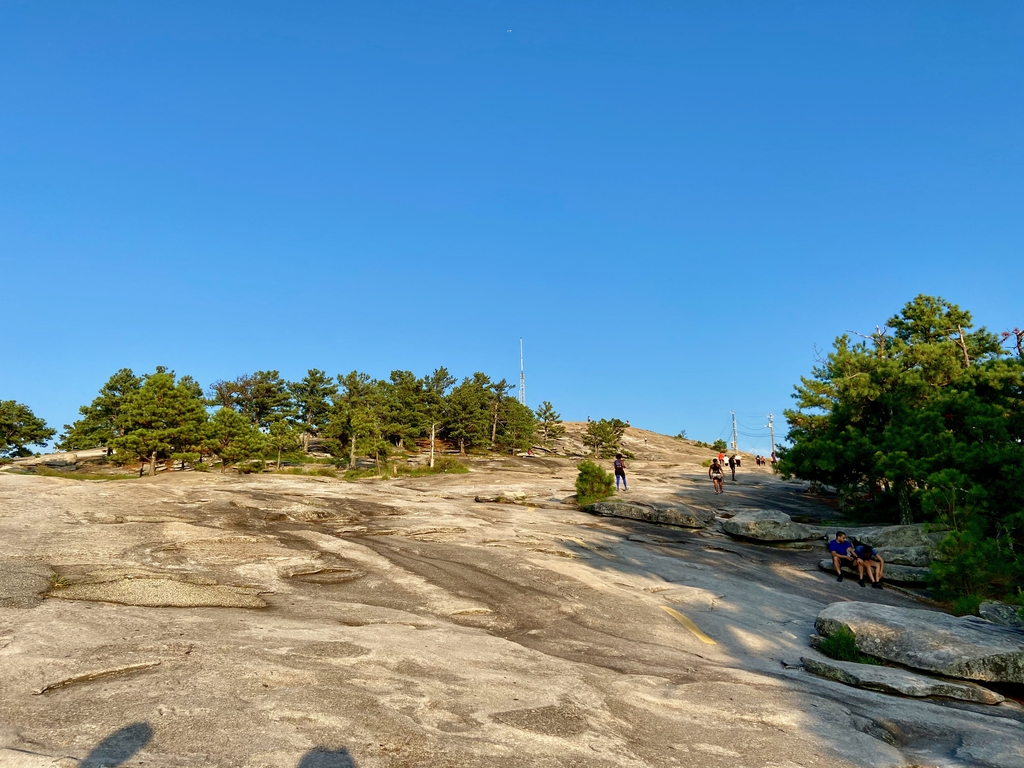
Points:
(869, 564)
(856, 555)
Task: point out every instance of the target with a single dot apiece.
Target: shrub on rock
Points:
(592, 484)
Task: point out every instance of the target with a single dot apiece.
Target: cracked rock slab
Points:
(898, 681)
(768, 525)
(683, 517)
(963, 647)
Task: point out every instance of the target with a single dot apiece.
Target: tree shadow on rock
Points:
(119, 746)
(327, 758)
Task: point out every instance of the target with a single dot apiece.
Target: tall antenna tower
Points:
(522, 374)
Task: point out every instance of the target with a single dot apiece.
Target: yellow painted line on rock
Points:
(688, 624)
(530, 509)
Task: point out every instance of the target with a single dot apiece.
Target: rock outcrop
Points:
(899, 681)
(768, 525)
(963, 647)
(663, 514)
(901, 536)
(918, 557)
(901, 574)
(1001, 613)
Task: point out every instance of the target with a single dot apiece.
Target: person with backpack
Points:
(620, 472)
(716, 475)
(732, 466)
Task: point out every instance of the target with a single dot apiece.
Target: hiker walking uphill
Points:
(732, 466)
(620, 472)
(716, 475)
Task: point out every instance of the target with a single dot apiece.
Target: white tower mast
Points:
(522, 374)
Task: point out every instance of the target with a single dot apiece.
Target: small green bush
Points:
(449, 465)
(842, 646)
(593, 484)
(323, 472)
(628, 455)
(200, 466)
(706, 463)
(358, 474)
(966, 605)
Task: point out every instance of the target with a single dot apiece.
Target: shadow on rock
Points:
(120, 746)
(327, 758)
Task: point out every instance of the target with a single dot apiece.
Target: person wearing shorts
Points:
(716, 475)
(842, 552)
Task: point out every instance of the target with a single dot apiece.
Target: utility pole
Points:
(771, 426)
(734, 448)
(522, 374)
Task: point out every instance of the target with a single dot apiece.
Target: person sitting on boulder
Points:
(870, 561)
(842, 552)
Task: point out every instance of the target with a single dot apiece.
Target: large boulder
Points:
(901, 536)
(901, 574)
(965, 647)
(918, 557)
(1001, 613)
(768, 525)
(899, 681)
(649, 512)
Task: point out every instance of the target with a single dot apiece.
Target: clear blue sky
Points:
(672, 202)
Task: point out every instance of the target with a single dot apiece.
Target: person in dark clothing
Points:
(620, 472)
(732, 466)
(716, 475)
(871, 562)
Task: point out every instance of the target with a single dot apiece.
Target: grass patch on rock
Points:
(841, 645)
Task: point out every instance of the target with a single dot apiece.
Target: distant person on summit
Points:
(620, 471)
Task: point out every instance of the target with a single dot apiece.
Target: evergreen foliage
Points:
(592, 484)
(549, 422)
(97, 428)
(156, 417)
(720, 445)
(312, 401)
(20, 428)
(518, 424)
(232, 437)
(604, 436)
(162, 419)
(261, 397)
(923, 421)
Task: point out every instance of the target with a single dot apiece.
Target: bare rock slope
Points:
(218, 620)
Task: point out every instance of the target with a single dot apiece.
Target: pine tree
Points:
(96, 427)
(312, 400)
(261, 397)
(469, 419)
(925, 418)
(341, 433)
(518, 426)
(232, 437)
(604, 435)
(161, 419)
(549, 422)
(435, 403)
(19, 428)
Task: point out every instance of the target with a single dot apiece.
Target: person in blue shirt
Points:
(842, 552)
